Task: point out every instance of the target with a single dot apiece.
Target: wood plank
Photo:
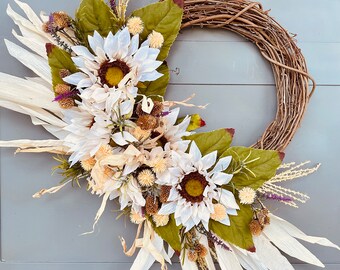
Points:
(121, 266)
(241, 63)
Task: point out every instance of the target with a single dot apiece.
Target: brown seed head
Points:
(62, 89)
(192, 255)
(255, 227)
(147, 122)
(64, 73)
(164, 195)
(46, 27)
(201, 250)
(151, 205)
(157, 108)
(61, 19)
(66, 103)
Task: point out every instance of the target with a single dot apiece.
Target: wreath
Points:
(99, 90)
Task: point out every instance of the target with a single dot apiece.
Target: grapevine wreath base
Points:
(249, 20)
(99, 90)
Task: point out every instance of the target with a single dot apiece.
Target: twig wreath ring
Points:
(99, 90)
(276, 45)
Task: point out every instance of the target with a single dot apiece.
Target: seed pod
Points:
(151, 205)
(164, 195)
(147, 122)
(255, 227)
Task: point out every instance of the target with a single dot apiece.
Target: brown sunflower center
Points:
(193, 186)
(111, 73)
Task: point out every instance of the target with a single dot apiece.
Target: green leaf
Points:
(164, 17)
(208, 142)
(95, 15)
(158, 87)
(59, 59)
(252, 167)
(238, 233)
(170, 233)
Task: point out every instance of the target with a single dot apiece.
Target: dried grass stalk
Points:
(276, 45)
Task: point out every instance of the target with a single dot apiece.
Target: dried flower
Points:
(192, 255)
(147, 122)
(136, 218)
(160, 165)
(64, 73)
(46, 27)
(157, 108)
(88, 164)
(62, 89)
(151, 205)
(104, 150)
(201, 250)
(219, 212)
(135, 25)
(141, 134)
(66, 103)
(255, 227)
(146, 178)
(247, 195)
(160, 220)
(261, 215)
(156, 40)
(61, 20)
(164, 194)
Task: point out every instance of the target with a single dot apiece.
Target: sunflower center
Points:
(193, 186)
(111, 73)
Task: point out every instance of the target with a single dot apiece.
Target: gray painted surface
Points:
(45, 233)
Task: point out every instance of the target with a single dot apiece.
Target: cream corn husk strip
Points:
(291, 172)
(151, 248)
(50, 190)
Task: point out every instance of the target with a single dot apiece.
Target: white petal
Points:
(209, 160)
(295, 232)
(95, 41)
(147, 104)
(288, 244)
(220, 178)
(222, 164)
(83, 51)
(270, 255)
(227, 259)
(194, 152)
(227, 199)
(75, 78)
(225, 221)
(167, 208)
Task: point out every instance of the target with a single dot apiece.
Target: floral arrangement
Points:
(99, 90)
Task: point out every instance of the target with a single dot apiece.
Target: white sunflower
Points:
(117, 60)
(87, 131)
(196, 189)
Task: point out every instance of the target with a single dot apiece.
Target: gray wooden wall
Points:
(223, 70)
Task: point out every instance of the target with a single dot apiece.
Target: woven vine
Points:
(276, 45)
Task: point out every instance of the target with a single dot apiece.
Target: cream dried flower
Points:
(160, 165)
(247, 195)
(88, 164)
(135, 25)
(141, 134)
(146, 178)
(136, 218)
(160, 220)
(104, 151)
(156, 40)
(219, 212)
